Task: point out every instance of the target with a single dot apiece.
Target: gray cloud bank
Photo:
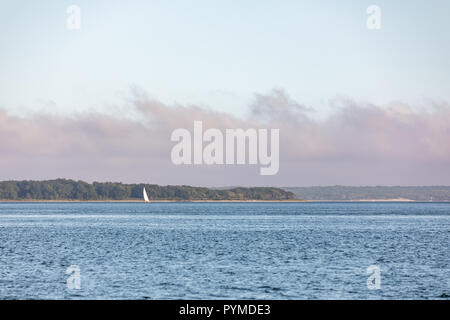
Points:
(358, 144)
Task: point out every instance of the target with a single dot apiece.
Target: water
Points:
(224, 250)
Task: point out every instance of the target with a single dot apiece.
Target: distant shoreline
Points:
(67, 190)
(211, 201)
(156, 201)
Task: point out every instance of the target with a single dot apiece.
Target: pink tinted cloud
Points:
(359, 144)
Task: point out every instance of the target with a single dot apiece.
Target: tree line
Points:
(65, 189)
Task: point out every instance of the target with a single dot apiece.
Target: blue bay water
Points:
(224, 250)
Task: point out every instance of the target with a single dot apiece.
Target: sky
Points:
(221, 60)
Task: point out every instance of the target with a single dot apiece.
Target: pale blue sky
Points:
(219, 53)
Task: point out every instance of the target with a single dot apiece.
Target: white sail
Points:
(145, 195)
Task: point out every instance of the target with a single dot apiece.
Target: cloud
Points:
(359, 144)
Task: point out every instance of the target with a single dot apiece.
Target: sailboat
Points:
(146, 199)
